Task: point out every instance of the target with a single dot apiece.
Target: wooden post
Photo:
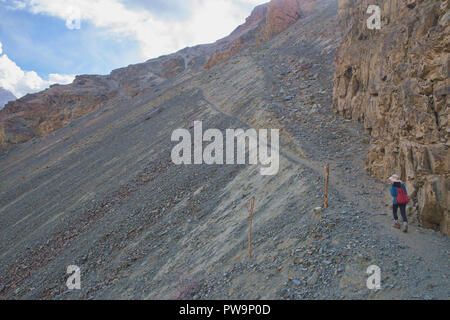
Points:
(250, 229)
(327, 174)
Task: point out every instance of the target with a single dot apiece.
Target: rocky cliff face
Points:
(265, 22)
(37, 115)
(396, 81)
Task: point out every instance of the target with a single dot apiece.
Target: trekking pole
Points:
(327, 173)
(250, 228)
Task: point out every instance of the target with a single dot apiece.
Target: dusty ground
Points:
(103, 194)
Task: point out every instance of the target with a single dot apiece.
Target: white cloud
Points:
(14, 4)
(21, 82)
(208, 21)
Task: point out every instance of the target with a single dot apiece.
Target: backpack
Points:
(402, 197)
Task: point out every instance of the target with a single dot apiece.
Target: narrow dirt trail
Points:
(326, 138)
(427, 244)
(431, 246)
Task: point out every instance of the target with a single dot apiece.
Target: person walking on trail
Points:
(400, 195)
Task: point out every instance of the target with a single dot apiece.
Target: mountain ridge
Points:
(40, 114)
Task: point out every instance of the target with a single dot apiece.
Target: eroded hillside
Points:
(102, 193)
(38, 115)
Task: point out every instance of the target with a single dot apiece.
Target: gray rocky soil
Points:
(103, 194)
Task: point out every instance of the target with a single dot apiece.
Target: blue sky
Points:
(44, 44)
(38, 47)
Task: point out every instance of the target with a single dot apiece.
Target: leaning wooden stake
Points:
(250, 229)
(327, 174)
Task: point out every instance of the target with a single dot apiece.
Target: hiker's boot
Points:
(405, 227)
(396, 225)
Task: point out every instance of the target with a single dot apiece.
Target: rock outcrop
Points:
(281, 14)
(396, 81)
(265, 22)
(39, 114)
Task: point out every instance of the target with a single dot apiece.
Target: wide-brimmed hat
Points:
(395, 178)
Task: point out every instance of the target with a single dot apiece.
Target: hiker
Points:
(398, 192)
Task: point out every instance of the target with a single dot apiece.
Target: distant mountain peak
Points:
(5, 97)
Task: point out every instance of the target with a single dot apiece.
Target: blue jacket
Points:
(394, 192)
